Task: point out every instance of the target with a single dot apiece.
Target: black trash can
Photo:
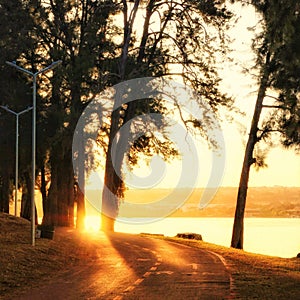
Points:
(47, 231)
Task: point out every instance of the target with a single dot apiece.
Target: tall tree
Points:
(15, 93)
(84, 35)
(74, 32)
(278, 57)
(186, 39)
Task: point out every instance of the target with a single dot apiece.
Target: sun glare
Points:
(92, 223)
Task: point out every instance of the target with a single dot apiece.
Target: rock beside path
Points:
(190, 236)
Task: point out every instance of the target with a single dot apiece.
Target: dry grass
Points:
(23, 266)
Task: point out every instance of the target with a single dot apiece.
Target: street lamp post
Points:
(34, 76)
(17, 114)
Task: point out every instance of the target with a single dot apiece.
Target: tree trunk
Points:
(71, 196)
(238, 226)
(4, 193)
(110, 199)
(80, 209)
(113, 182)
(26, 198)
(50, 216)
(112, 189)
(62, 196)
(80, 186)
(65, 184)
(43, 186)
(59, 204)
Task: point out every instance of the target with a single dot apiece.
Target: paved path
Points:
(134, 267)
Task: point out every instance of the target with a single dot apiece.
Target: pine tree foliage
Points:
(15, 94)
(280, 41)
(278, 63)
(153, 38)
(173, 39)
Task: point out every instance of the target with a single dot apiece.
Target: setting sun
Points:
(92, 223)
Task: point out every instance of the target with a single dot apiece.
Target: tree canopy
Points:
(102, 43)
(278, 57)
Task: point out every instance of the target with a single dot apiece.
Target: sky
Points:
(283, 165)
(202, 167)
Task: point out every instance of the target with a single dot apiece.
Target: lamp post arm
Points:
(13, 64)
(25, 110)
(9, 110)
(14, 112)
(50, 67)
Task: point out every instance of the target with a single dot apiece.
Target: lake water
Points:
(270, 236)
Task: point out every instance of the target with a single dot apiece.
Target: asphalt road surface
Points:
(134, 267)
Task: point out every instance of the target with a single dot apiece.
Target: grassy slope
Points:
(23, 266)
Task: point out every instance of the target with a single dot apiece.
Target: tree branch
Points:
(275, 106)
(269, 96)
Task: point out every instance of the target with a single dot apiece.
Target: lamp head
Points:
(56, 63)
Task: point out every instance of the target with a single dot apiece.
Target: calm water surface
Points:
(276, 237)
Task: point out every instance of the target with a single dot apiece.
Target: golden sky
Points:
(283, 165)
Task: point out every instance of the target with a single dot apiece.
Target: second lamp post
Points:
(17, 114)
(34, 76)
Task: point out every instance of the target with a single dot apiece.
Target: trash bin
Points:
(38, 233)
(47, 231)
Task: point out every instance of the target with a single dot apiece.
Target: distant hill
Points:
(261, 202)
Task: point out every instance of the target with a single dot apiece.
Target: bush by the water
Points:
(190, 236)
